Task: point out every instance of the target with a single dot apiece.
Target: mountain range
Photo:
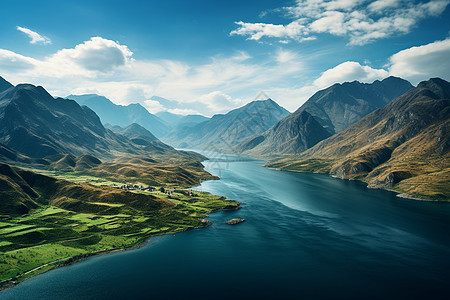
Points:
(114, 114)
(34, 123)
(224, 131)
(328, 111)
(39, 131)
(402, 146)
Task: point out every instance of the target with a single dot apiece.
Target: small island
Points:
(235, 221)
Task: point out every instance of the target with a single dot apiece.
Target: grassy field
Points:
(50, 236)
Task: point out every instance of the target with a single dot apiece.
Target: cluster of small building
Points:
(134, 187)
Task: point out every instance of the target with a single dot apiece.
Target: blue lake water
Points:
(307, 236)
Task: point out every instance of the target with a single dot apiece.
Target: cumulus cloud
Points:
(422, 62)
(349, 71)
(360, 21)
(35, 37)
(97, 54)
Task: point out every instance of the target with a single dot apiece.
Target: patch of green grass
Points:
(15, 228)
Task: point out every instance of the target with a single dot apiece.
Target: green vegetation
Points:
(47, 221)
(50, 236)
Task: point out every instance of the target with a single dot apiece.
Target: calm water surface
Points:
(307, 236)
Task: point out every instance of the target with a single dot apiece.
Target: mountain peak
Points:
(262, 96)
(437, 86)
(341, 105)
(4, 85)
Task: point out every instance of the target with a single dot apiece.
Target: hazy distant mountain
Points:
(335, 108)
(169, 117)
(4, 85)
(404, 145)
(223, 132)
(114, 114)
(34, 123)
(190, 120)
(175, 120)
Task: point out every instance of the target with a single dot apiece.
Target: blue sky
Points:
(212, 56)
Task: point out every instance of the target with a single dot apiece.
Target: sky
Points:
(209, 57)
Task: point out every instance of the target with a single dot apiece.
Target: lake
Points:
(307, 236)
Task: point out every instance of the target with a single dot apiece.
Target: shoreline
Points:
(398, 194)
(10, 283)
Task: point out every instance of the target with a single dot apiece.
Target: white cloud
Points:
(11, 61)
(97, 54)
(420, 63)
(108, 68)
(214, 86)
(349, 71)
(34, 36)
(360, 20)
(379, 5)
(184, 111)
(284, 56)
(256, 31)
(219, 102)
(153, 106)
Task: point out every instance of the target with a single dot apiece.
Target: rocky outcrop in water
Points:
(235, 221)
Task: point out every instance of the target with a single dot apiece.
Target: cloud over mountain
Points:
(416, 63)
